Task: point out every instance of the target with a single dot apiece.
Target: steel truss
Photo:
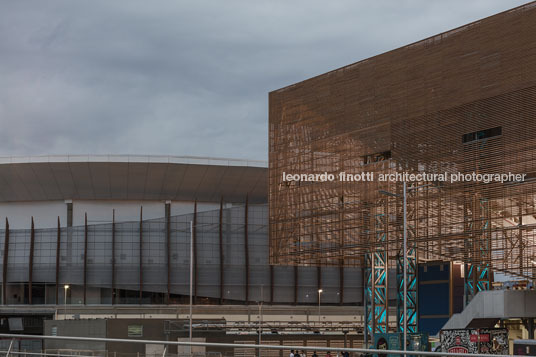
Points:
(376, 281)
(478, 230)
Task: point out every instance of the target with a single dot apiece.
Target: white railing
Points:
(242, 346)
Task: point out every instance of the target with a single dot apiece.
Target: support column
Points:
(85, 257)
(113, 257)
(141, 256)
(6, 256)
(246, 250)
(368, 302)
(376, 282)
(220, 232)
(368, 280)
(30, 263)
(483, 278)
(168, 249)
(69, 204)
(412, 262)
(58, 245)
(478, 246)
(529, 325)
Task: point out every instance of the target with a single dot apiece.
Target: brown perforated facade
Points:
(462, 101)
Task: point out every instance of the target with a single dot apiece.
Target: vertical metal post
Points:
(85, 258)
(6, 256)
(261, 299)
(341, 284)
(113, 257)
(191, 278)
(318, 277)
(194, 250)
(319, 294)
(168, 249)
(65, 288)
(368, 277)
(58, 242)
(246, 249)
(296, 277)
(366, 288)
(220, 232)
(271, 284)
(141, 255)
(405, 268)
(30, 263)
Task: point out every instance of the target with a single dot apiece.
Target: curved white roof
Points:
(132, 177)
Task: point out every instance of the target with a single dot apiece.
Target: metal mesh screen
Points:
(240, 269)
(462, 101)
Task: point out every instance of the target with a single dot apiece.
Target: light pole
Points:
(191, 277)
(65, 287)
(319, 292)
(261, 299)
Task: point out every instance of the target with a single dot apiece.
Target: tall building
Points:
(461, 103)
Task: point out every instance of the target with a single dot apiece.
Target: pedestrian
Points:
(291, 353)
(328, 354)
(297, 354)
(314, 354)
(303, 354)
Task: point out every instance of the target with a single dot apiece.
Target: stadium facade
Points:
(116, 230)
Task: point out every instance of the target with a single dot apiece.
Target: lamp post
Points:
(319, 292)
(261, 299)
(191, 277)
(65, 287)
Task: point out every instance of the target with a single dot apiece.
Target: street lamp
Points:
(319, 292)
(261, 299)
(65, 287)
(191, 280)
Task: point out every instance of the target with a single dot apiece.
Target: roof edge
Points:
(157, 159)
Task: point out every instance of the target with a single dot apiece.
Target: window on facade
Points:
(377, 157)
(481, 134)
(135, 330)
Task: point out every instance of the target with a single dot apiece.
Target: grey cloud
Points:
(184, 77)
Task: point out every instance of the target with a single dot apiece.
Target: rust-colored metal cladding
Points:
(463, 101)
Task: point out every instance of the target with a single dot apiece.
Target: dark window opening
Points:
(481, 134)
(377, 157)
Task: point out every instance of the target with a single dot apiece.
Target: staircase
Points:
(487, 307)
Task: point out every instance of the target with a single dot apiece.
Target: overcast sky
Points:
(184, 77)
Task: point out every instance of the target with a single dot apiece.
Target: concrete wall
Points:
(46, 213)
(86, 328)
